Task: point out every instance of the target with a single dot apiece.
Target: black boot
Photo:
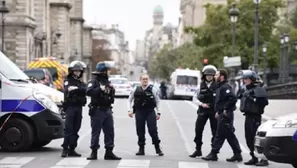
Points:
(93, 155)
(73, 153)
(109, 155)
(253, 161)
(140, 151)
(158, 150)
(196, 153)
(235, 158)
(262, 163)
(64, 153)
(210, 157)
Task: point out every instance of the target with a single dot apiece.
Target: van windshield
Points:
(11, 70)
(37, 74)
(187, 80)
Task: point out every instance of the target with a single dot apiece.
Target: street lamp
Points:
(281, 64)
(264, 49)
(3, 10)
(256, 43)
(233, 13)
(286, 66)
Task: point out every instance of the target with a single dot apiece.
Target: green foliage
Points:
(215, 36)
(166, 61)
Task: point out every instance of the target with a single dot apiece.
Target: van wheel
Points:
(17, 135)
(40, 143)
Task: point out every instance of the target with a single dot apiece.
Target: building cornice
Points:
(61, 4)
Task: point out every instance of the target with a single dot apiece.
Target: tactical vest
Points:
(144, 99)
(207, 94)
(75, 99)
(104, 99)
(248, 105)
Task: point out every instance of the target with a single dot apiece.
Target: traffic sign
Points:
(232, 61)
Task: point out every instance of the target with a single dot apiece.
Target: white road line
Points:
(192, 165)
(72, 162)
(240, 165)
(125, 163)
(180, 128)
(243, 148)
(15, 162)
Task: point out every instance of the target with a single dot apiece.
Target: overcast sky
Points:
(133, 16)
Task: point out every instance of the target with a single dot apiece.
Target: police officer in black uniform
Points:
(102, 97)
(225, 104)
(252, 104)
(75, 99)
(146, 99)
(205, 98)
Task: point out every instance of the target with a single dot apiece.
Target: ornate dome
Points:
(158, 10)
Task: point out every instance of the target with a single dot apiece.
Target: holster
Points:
(92, 109)
(226, 121)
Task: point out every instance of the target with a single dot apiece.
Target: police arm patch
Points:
(228, 91)
(66, 83)
(90, 85)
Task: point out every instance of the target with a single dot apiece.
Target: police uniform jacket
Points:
(102, 98)
(75, 97)
(225, 98)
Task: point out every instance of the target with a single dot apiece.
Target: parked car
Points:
(277, 140)
(122, 87)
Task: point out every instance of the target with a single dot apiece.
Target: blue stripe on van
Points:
(26, 106)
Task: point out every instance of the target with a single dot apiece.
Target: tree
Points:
(215, 35)
(166, 61)
(100, 52)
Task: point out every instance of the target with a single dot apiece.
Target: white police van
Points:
(184, 83)
(277, 140)
(28, 117)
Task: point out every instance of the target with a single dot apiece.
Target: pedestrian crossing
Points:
(28, 162)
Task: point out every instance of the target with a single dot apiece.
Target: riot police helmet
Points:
(76, 66)
(248, 74)
(209, 70)
(102, 67)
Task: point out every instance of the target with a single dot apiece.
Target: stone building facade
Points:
(41, 28)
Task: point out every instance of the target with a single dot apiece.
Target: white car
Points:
(277, 140)
(122, 86)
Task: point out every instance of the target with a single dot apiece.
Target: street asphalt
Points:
(176, 131)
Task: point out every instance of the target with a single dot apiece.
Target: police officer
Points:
(146, 99)
(205, 98)
(225, 104)
(75, 99)
(102, 97)
(252, 104)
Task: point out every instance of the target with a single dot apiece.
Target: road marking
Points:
(180, 128)
(192, 165)
(72, 162)
(15, 162)
(246, 166)
(125, 163)
(243, 148)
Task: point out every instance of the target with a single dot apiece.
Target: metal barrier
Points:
(283, 91)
